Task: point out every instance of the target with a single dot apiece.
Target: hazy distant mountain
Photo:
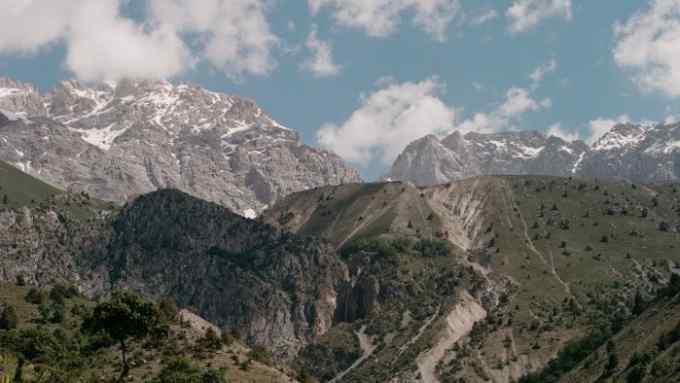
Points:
(640, 153)
(117, 140)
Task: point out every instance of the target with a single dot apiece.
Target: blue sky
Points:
(393, 76)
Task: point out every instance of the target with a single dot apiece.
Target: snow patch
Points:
(101, 138)
(578, 163)
(12, 116)
(249, 213)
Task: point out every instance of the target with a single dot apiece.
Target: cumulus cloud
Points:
(380, 18)
(518, 101)
(387, 120)
(103, 44)
(557, 131)
(321, 63)
(600, 126)
(647, 44)
(541, 71)
(234, 35)
(524, 15)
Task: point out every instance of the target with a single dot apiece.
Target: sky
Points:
(363, 78)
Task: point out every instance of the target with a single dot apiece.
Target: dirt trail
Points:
(459, 323)
(367, 347)
(532, 247)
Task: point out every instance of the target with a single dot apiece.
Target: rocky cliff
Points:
(119, 140)
(640, 153)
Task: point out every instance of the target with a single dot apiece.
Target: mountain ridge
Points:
(119, 140)
(642, 153)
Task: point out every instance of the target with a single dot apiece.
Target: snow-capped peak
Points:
(623, 136)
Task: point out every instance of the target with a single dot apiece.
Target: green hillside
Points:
(49, 344)
(19, 189)
(561, 257)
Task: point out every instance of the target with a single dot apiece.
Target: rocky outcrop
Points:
(640, 153)
(120, 140)
(274, 288)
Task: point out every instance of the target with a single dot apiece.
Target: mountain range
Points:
(640, 153)
(486, 279)
(119, 140)
(509, 257)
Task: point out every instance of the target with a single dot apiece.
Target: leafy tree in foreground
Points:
(126, 316)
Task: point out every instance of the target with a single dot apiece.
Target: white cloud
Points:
(483, 16)
(388, 120)
(117, 47)
(600, 126)
(540, 72)
(526, 14)
(518, 101)
(103, 44)
(380, 18)
(321, 63)
(234, 35)
(557, 131)
(648, 42)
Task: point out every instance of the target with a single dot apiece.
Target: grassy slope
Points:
(22, 189)
(640, 337)
(146, 362)
(502, 216)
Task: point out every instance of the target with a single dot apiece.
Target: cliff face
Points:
(119, 140)
(276, 289)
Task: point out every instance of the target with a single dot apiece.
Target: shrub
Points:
(261, 354)
(210, 341)
(181, 371)
(8, 318)
(35, 296)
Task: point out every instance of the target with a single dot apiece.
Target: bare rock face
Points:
(640, 153)
(119, 140)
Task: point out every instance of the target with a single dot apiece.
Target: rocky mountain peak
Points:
(623, 136)
(20, 98)
(127, 138)
(645, 152)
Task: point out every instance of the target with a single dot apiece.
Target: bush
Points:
(8, 318)
(59, 293)
(168, 308)
(35, 296)
(261, 355)
(432, 248)
(210, 341)
(181, 371)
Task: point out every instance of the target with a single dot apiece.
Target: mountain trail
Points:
(367, 347)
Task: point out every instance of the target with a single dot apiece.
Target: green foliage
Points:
(433, 248)
(261, 355)
(210, 341)
(182, 371)
(60, 293)
(125, 316)
(8, 318)
(570, 356)
(168, 309)
(35, 296)
(34, 344)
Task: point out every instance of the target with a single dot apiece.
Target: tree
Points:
(168, 308)
(638, 304)
(124, 317)
(8, 318)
